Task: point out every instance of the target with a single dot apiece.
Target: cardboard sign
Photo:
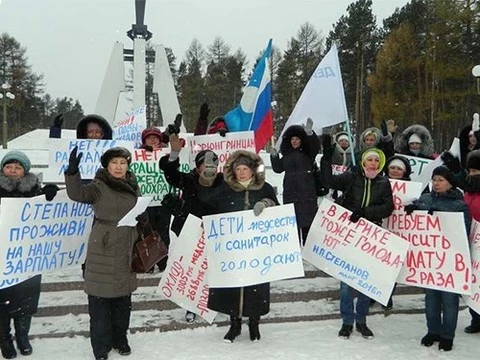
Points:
(244, 249)
(184, 281)
(362, 254)
(473, 300)
(37, 236)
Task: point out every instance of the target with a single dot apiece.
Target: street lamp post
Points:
(5, 98)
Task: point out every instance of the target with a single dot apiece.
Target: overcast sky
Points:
(69, 41)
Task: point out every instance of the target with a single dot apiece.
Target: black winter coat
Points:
(231, 196)
(20, 299)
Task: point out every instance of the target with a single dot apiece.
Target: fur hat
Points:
(244, 160)
(473, 160)
(153, 131)
(113, 153)
(17, 156)
(200, 158)
(444, 172)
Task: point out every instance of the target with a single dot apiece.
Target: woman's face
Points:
(243, 173)
(440, 184)
(473, 172)
(472, 140)
(153, 141)
(371, 163)
(14, 170)
(415, 146)
(395, 172)
(295, 142)
(343, 143)
(117, 167)
(94, 131)
(369, 140)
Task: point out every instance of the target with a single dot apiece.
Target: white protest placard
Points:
(184, 281)
(37, 236)
(244, 249)
(223, 146)
(439, 257)
(131, 126)
(404, 193)
(151, 179)
(473, 300)
(92, 150)
(362, 254)
(417, 164)
(140, 207)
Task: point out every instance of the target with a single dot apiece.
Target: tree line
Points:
(415, 68)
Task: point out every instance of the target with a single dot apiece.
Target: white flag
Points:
(323, 98)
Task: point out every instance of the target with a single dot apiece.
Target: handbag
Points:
(173, 202)
(147, 251)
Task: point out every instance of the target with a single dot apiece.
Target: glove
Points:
(204, 111)
(258, 207)
(210, 167)
(410, 208)
(432, 210)
(452, 162)
(309, 127)
(50, 190)
(147, 148)
(172, 129)
(274, 152)
(142, 218)
(73, 162)
(384, 128)
(178, 121)
(391, 127)
(357, 214)
(222, 132)
(475, 122)
(327, 146)
(58, 121)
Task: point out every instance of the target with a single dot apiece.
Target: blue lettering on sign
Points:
(263, 265)
(332, 258)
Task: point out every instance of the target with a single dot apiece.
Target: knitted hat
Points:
(473, 160)
(113, 153)
(398, 163)
(244, 160)
(152, 131)
(444, 172)
(414, 138)
(17, 156)
(369, 153)
(200, 158)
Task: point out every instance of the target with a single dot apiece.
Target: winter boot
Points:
(345, 331)
(253, 328)
(235, 329)
(6, 343)
(364, 330)
(429, 339)
(22, 328)
(445, 344)
(472, 329)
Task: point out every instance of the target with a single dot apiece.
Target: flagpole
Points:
(352, 150)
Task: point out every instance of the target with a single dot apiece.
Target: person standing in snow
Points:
(244, 188)
(368, 195)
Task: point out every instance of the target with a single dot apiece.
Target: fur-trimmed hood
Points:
(82, 126)
(258, 176)
(298, 131)
(25, 186)
(401, 143)
(128, 185)
(371, 130)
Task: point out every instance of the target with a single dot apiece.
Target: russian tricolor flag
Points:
(255, 111)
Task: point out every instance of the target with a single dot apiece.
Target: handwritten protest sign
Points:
(184, 281)
(362, 255)
(92, 151)
(417, 164)
(404, 192)
(473, 300)
(151, 179)
(130, 128)
(37, 236)
(438, 257)
(244, 249)
(222, 146)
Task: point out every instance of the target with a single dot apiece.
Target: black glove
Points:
(58, 121)
(171, 129)
(327, 146)
(222, 132)
(357, 214)
(142, 218)
(73, 161)
(204, 111)
(452, 162)
(50, 190)
(147, 148)
(410, 208)
(178, 121)
(432, 210)
(384, 128)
